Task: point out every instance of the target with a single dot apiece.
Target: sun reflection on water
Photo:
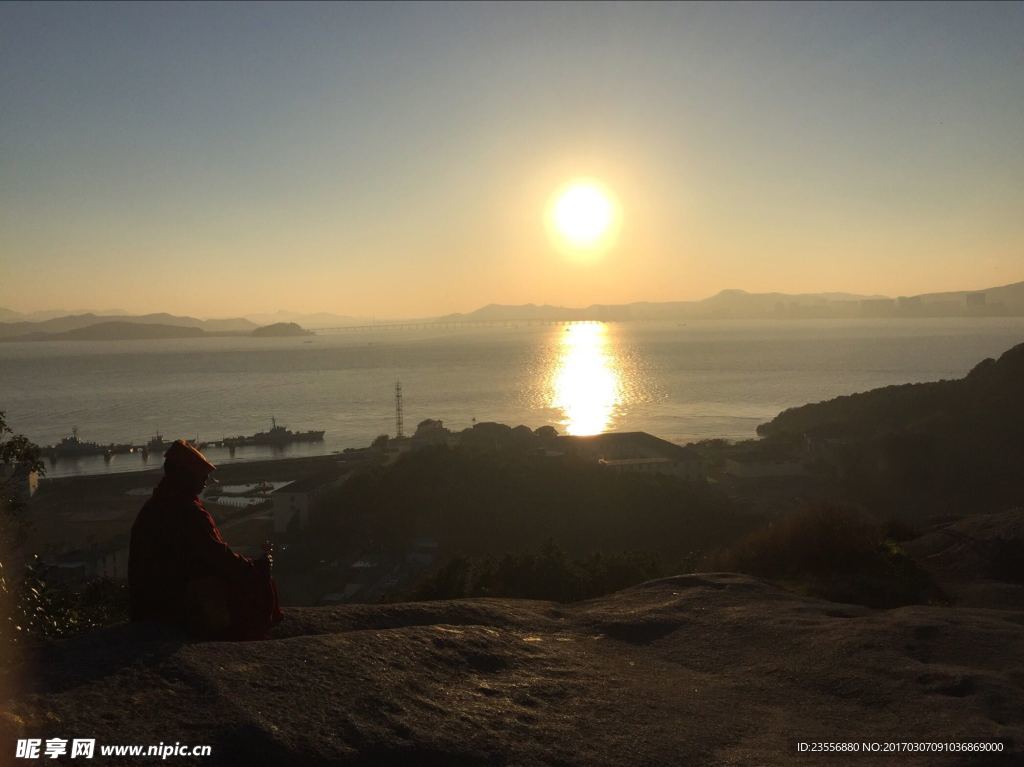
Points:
(586, 383)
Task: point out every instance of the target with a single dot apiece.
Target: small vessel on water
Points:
(278, 435)
(73, 447)
(156, 444)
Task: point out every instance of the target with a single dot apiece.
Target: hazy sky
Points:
(396, 160)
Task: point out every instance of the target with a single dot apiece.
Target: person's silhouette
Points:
(181, 571)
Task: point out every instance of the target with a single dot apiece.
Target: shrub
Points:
(546, 574)
(816, 540)
(35, 609)
(832, 552)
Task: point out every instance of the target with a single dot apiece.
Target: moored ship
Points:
(278, 435)
(73, 447)
(156, 444)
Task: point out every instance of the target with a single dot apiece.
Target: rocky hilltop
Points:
(710, 669)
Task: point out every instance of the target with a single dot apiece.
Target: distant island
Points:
(282, 329)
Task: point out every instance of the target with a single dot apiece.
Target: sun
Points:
(583, 215)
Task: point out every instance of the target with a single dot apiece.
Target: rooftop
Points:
(631, 442)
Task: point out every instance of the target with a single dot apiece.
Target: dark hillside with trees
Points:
(479, 503)
(948, 447)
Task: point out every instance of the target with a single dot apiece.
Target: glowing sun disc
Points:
(583, 214)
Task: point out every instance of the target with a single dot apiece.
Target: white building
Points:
(293, 503)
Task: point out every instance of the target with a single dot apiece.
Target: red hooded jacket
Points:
(180, 569)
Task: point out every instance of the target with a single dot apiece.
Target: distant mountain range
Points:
(725, 303)
(114, 331)
(90, 327)
(75, 322)
(1004, 300)
(314, 320)
(9, 315)
(58, 320)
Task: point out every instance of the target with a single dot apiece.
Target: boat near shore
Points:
(156, 444)
(278, 435)
(74, 447)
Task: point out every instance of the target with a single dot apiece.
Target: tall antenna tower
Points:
(398, 410)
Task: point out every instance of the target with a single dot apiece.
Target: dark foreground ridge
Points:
(709, 669)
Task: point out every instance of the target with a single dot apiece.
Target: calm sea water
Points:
(680, 381)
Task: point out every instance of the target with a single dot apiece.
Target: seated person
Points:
(180, 570)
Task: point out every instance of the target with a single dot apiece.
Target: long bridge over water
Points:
(454, 324)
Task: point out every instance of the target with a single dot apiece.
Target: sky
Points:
(398, 160)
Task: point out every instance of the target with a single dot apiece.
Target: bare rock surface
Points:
(708, 669)
(965, 557)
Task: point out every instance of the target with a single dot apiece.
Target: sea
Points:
(681, 381)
